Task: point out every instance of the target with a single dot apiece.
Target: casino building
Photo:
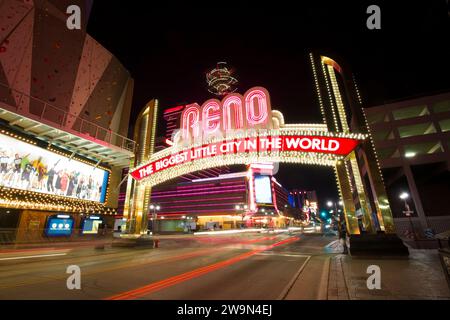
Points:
(64, 112)
(220, 197)
(224, 202)
(306, 201)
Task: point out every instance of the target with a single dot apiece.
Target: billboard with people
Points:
(28, 167)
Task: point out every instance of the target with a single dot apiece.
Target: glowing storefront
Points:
(64, 111)
(222, 202)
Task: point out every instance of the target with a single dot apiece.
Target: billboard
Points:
(60, 225)
(91, 225)
(263, 189)
(27, 167)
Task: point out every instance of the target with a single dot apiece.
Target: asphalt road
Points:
(258, 266)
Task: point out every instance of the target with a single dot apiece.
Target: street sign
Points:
(408, 213)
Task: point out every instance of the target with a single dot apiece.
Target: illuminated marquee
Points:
(242, 130)
(250, 147)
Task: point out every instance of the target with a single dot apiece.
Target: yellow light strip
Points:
(338, 98)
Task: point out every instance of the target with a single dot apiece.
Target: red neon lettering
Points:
(211, 116)
(228, 114)
(232, 102)
(261, 103)
(190, 121)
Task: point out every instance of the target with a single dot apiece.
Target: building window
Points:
(413, 150)
(410, 112)
(445, 125)
(376, 117)
(416, 130)
(441, 106)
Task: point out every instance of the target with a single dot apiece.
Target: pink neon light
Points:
(199, 205)
(274, 197)
(261, 98)
(232, 182)
(190, 121)
(211, 116)
(232, 113)
(197, 189)
(234, 101)
(200, 200)
(198, 210)
(199, 193)
(174, 109)
(194, 186)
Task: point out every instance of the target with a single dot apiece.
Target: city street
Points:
(256, 266)
(263, 158)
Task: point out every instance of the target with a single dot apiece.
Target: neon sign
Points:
(255, 145)
(242, 129)
(234, 112)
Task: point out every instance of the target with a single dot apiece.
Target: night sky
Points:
(168, 49)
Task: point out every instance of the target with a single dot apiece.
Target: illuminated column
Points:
(370, 159)
(346, 191)
(138, 194)
(128, 207)
(361, 192)
(333, 115)
(341, 109)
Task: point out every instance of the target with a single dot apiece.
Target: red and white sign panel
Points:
(315, 144)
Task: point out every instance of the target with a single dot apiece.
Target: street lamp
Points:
(154, 208)
(334, 205)
(239, 208)
(404, 196)
(340, 221)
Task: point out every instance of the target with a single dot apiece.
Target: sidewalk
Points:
(418, 277)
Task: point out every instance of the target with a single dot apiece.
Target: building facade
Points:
(307, 202)
(412, 139)
(222, 202)
(64, 111)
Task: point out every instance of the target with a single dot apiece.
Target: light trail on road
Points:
(36, 256)
(159, 285)
(128, 264)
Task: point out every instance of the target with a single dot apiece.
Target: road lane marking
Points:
(291, 283)
(159, 285)
(331, 243)
(38, 256)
